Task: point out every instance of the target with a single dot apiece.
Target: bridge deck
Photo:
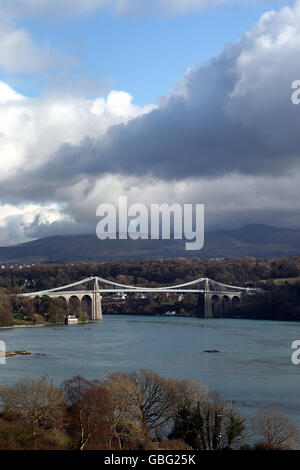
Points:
(132, 291)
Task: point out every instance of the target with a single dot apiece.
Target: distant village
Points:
(166, 297)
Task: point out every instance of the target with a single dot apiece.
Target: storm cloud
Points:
(233, 114)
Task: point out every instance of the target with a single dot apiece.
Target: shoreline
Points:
(146, 315)
(22, 326)
(40, 325)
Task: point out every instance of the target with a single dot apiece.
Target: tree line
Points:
(15, 310)
(131, 411)
(151, 272)
(275, 302)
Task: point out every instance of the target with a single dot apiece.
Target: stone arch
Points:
(216, 305)
(75, 305)
(236, 301)
(63, 299)
(63, 303)
(226, 304)
(87, 305)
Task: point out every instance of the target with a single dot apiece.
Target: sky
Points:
(163, 101)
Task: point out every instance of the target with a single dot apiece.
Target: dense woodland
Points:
(248, 271)
(279, 297)
(134, 410)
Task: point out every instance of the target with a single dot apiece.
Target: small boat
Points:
(71, 320)
(170, 314)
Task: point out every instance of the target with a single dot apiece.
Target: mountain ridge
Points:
(256, 240)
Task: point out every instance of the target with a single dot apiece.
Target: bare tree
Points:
(187, 393)
(144, 397)
(15, 434)
(126, 423)
(89, 410)
(275, 429)
(38, 402)
(149, 400)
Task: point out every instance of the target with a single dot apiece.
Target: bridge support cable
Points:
(118, 287)
(230, 287)
(55, 289)
(106, 281)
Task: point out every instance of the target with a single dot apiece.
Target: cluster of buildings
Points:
(176, 297)
(16, 266)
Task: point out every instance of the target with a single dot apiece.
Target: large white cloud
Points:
(19, 223)
(33, 129)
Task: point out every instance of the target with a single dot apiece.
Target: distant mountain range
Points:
(250, 240)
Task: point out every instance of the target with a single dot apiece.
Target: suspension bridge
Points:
(218, 297)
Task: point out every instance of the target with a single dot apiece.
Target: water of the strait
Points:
(253, 367)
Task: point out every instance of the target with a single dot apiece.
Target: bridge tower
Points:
(207, 301)
(96, 304)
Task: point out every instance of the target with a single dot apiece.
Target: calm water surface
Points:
(253, 367)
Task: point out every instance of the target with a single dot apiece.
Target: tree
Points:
(234, 427)
(187, 394)
(38, 402)
(275, 429)
(150, 401)
(126, 424)
(89, 411)
(144, 397)
(190, 302)
(6, 318)
(174, 445)
(208, 425)
(15, 434)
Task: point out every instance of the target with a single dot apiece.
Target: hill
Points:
(250, 240)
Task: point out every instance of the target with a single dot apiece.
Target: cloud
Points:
(226, 136)
(19, 53)
(19, 223)
(231, 201)
(233, 114)
(32, 130)
(56, 8)
(175, 7)
(19, 8)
